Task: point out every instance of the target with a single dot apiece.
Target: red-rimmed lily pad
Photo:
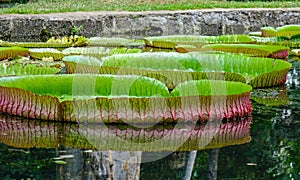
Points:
(255, 50)
(109, 98)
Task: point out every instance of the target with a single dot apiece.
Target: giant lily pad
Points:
(174, 40)
(98, 52)
(88, 51)
(40, 53)
(61, 42)
(252, 50)
(114, 42)
(12, 52)
(25, 66)
(174, 68)
(161, 137)
(287, 31)
(279, 41)
(109, 98)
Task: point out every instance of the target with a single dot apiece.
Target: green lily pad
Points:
(40, 53)
(114, 42)
(12, 52)
(25, 66)
(111, 98)
(252, 50)
(174, 68)
(278, 41)
(287, 31)
(174, 40)
(98, 52)
(54, 42)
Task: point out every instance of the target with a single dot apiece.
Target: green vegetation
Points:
(54, 6)
(24, 66)
(251, 49)
(258, 72)
(172, 41)
(12, 52)
(63, 85)
(288, 31)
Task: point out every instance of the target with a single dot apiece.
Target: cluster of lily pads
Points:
(116, 79)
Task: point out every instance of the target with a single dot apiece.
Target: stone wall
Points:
(142, 24)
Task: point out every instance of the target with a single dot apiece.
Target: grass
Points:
(56, 6)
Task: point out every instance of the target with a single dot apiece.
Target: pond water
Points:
(264, 146)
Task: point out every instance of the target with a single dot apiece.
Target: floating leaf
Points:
(28, 67)
(174, 40)
(114, 42)
(12, 52)
(35, 44)
(40, 53)
(108, 98)
(278, 41)
(216, 99)
(174, 68)
(98, 52)
(252, 50)
(51, 97)
(124, 50)
(287, 31)
(71, 40)
(82, 64)
(61, 42)
(190, 48)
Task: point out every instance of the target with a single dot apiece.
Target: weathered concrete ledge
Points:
(141, 24)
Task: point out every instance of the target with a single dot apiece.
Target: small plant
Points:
(75, 30)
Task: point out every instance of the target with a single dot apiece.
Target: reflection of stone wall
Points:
(141, 24)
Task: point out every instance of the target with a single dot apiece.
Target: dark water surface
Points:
(264, 146)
